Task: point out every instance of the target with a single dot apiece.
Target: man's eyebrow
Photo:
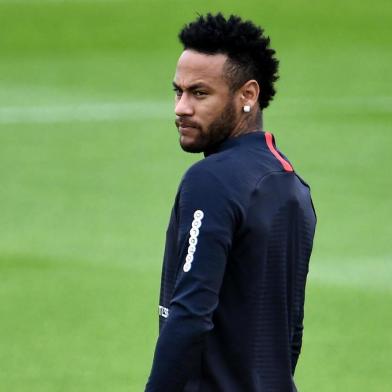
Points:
(191, 87)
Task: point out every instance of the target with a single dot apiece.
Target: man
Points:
(241, 229)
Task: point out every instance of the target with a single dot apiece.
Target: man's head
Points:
(226, 64)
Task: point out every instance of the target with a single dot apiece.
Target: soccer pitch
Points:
(90, 164)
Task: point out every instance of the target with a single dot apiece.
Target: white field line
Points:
(85, 112)
(375, 275)
(117, 111)
(366, 274)
(361, 274)
(377, 103)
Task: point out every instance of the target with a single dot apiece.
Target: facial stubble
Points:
(218, 131)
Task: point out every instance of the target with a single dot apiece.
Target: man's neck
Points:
(248, 123)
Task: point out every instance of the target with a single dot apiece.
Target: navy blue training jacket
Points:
(236, 260)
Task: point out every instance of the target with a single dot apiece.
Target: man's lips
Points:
(186, 125)
(187, 129)
(182, 128)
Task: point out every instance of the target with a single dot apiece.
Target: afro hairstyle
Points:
(247, 48)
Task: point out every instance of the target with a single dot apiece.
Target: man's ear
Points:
(249, 94)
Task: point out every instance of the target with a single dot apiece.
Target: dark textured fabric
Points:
(231, 314)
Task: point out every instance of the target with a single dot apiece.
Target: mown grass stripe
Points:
(104, 111)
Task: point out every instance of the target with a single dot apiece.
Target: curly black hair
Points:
(248, 51)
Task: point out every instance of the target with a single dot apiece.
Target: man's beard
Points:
(219, 130)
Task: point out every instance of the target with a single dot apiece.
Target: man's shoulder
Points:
(205, 175)
(217, 166)
(207, 185)
(200, 173)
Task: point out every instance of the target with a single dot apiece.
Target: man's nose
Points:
(183, 106)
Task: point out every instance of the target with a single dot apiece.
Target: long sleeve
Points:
(297, 340)
(206, 220)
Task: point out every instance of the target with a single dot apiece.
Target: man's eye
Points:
(199, 93)
(177, 92)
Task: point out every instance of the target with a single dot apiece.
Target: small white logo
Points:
(196, 223)
(164, 312)
(198, 214)
(193, 241)
(194, 233)
(189, 258)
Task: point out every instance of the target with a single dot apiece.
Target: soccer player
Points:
(241, 230)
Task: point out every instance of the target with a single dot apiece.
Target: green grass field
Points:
(90, 163)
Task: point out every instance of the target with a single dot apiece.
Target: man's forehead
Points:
(195, 67)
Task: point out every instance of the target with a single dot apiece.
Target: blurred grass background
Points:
(90, 163)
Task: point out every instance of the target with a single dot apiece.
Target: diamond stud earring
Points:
(246, 108)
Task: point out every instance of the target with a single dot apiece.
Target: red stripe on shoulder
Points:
(270, 144)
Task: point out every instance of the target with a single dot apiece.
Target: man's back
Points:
(236, 259)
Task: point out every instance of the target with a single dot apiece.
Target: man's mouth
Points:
(185, 128)
(186, 125)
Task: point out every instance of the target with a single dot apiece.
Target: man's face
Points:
(205, 109)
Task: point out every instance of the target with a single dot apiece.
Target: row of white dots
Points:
(194, 233)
